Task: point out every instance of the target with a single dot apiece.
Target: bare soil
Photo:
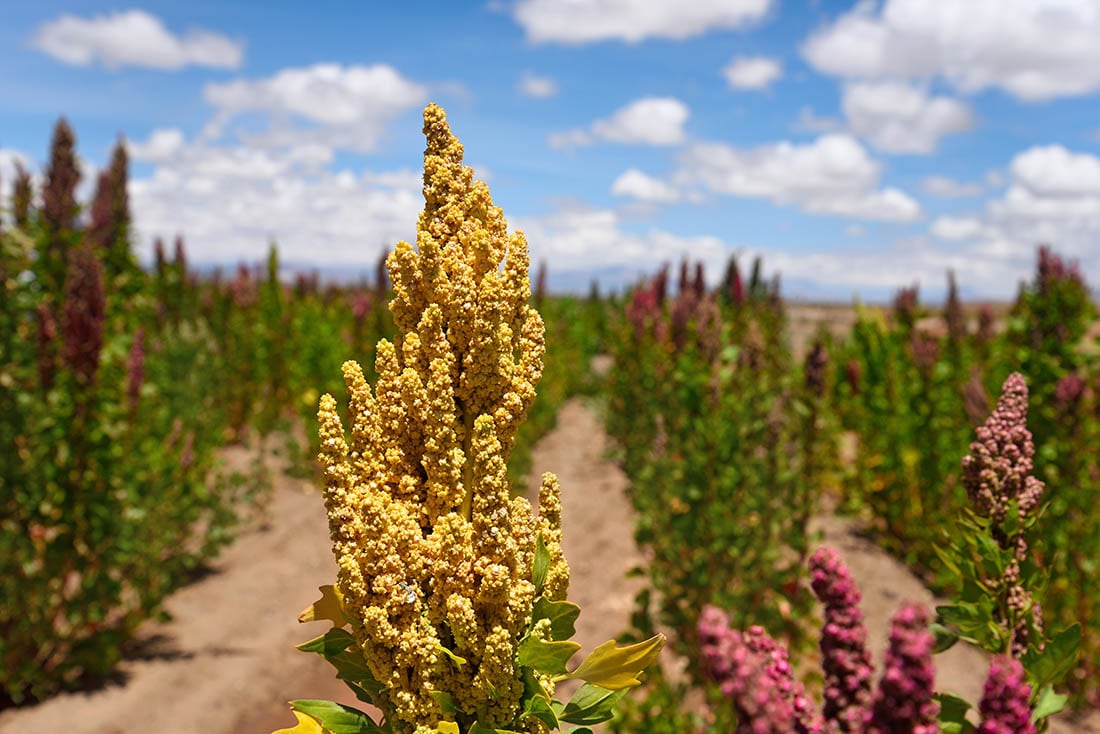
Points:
(226, 662)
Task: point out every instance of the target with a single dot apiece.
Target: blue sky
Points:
(857, 147)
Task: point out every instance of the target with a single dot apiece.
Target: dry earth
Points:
(227, 663)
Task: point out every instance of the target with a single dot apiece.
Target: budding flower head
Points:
(904, 701)
(998, 469)
(754, 672)
(435, 557)
(1005, 706)
(845, 659)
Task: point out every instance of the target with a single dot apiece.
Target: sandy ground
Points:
(227, 663)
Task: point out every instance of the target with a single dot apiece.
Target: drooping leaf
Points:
(945, 638)
(591, 704)
(333, 642)
(546, 657)
(562, 615)
(615, 668)
(329, 606)
(336, 717)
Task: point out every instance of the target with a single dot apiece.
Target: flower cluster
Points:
(1004, 705)
(845, 660)
(753, 671)
(997, 477)
(435, 557)
(903, 701)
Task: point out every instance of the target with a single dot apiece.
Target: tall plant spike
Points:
(436, 559)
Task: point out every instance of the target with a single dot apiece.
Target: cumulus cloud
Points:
(645, 121)
(902, 118)
(349, 106)
(1052, 196)
(1053, 171)
(831, 175)
(1032, 50)
(231, 200)
(949, 188)
(637, 185)
(752, 72)
(584, 242)
(540, 87)
(957, 228)
(588, 21)
(134, 38)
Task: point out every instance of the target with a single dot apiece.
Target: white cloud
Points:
(949, 188)
(540, 87)
(587, 21)
(810, 122)
(1032, 50)
(645, 121)
(957, 228)
(134, 38)
(901, 118)
(584, 241)
(1053, 171)
(832, 175)
(635, 184)
(352, 104)
(752, 72)
(229, 201)
(161, 146)
(1052, 197)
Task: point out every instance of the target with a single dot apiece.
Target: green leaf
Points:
(1046, 667)
(444, 700)
(945, 638)
(538, 707)
(591, 704)
(336, 717)
(1048, 703)
(615, 668)
(541, 566)
(335, 641)
(562, 615)
(546, 657)
(953, 714)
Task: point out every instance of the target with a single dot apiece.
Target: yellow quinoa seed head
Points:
(432, 550)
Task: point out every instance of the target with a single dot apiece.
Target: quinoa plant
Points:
(449, 609)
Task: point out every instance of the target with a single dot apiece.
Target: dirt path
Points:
(227, 663)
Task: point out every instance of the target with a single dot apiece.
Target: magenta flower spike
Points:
(845, 660)
(903, 702)
(1005, 705)
(753, 671)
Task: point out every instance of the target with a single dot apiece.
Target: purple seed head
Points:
(845, 659)
(903, 701)
(1004, 707)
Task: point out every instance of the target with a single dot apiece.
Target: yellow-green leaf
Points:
(306, 725)
(447, 727)
(330, 606)
(616, 668)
